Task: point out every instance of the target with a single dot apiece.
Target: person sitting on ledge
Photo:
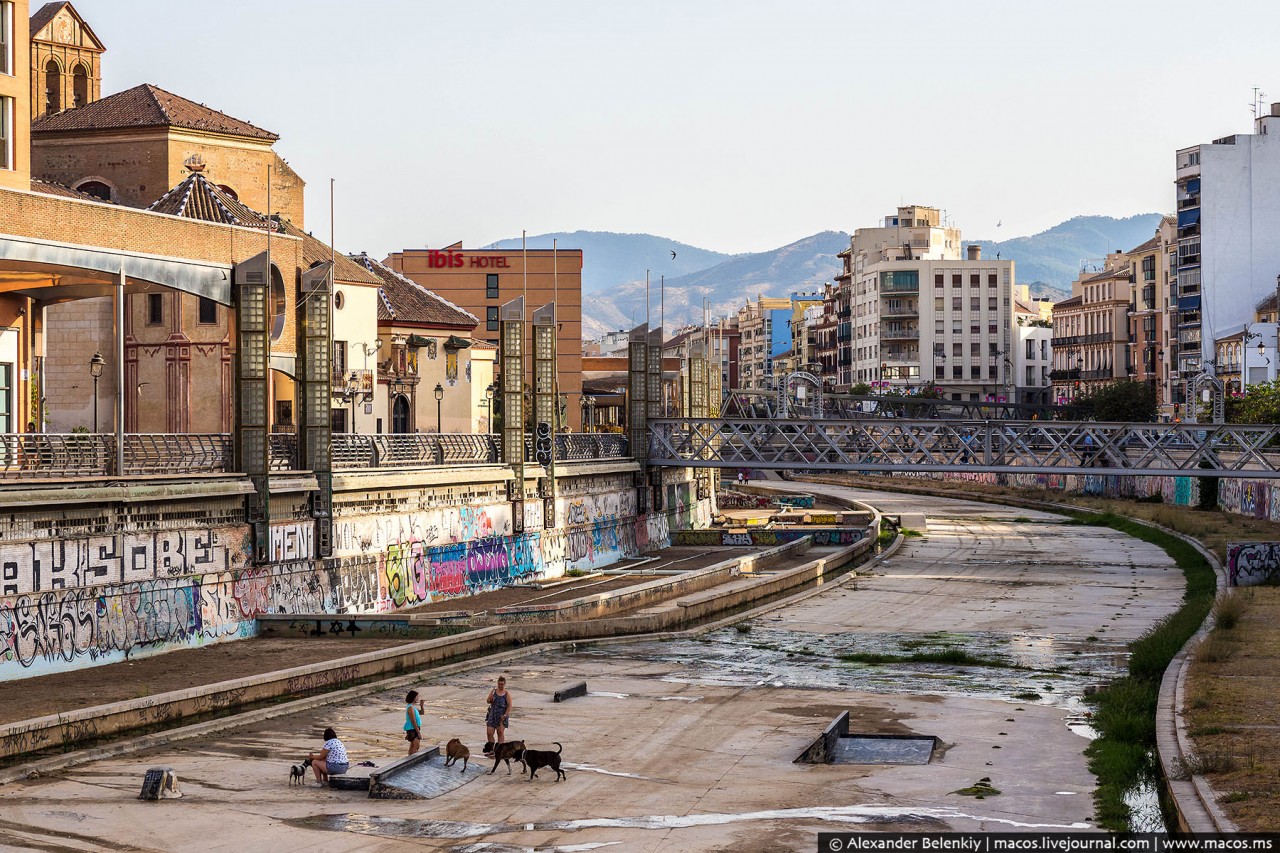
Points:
(332, 759)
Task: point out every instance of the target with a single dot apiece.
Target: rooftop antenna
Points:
(1258, 97)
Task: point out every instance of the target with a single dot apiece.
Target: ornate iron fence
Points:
(417, 450)
(43, 454)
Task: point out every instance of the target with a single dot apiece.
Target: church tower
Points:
(66, 60)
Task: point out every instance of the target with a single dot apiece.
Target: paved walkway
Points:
(689, 744)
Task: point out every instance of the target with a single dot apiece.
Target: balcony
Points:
(892, 334)
(1070, 341)
(346, 380)
(1064, 375)
(910, 311)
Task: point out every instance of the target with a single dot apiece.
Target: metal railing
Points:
(284, 451)
(910, 445)
(44, 454)
(418, 450)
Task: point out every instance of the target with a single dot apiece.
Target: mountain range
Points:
(614, 265)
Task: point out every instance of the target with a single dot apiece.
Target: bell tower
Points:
(66, 60)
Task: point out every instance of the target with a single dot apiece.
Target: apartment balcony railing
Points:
(891, 334)
(43, 454)
(1064, 375)
(900, 312)
(1069, 341)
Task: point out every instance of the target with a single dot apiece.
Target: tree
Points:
(1259, 404)
(862, 389)
(1123, 401)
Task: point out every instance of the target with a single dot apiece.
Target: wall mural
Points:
(1253, 563)
(77, 602)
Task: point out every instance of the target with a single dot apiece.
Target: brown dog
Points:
(510, 751)
(536, 758)
(454, 750)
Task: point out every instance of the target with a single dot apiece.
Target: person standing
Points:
(498, 717)
(413, 720)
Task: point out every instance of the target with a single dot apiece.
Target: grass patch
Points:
(1021, 519)
(1229, 610)
(958, 657)
(1028, 696)
(743, 627)
(980, 789)
(911, 534)
(575, 573)
(1123, 756)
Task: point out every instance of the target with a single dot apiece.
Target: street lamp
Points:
(439, 392)
(488, 405)
(1079, 374)
(95, 370)
(353, 391)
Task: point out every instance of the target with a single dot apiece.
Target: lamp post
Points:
(353, 391)
(1079, 375)
(439, 393)
(488, 407)
(95, 370)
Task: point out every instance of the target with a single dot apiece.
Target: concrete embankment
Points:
(82, 726)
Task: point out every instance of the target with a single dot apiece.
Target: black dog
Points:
(536, 758)
(508, 752)
(298, 773)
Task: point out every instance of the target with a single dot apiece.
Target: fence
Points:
(42, 454)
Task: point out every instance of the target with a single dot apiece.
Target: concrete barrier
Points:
(573, 692)
(823, 750)
(645, 594)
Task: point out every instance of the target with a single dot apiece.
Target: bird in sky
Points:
(673, 254)
(998, 224)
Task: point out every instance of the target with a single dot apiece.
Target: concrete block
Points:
(579, 689)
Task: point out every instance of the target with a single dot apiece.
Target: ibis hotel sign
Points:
(457, 260)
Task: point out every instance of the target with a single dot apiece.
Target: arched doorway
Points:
(400, 424)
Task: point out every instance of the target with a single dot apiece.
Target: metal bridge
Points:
(894, 445)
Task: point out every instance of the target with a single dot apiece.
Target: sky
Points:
(735, 126)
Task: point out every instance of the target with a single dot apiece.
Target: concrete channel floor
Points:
(689, 744)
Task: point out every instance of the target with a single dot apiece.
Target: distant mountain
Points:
(800, 266)
(1052, 258)
(609, 258)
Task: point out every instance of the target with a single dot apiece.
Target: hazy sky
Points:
(736, 126)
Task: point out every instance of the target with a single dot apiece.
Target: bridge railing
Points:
(904, 445)
(417, 450)
(77, 454)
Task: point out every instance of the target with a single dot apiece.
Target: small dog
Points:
(455, 750)
(536, 758)
(508, 752)
(298, 773)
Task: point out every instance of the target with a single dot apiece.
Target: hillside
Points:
(609, 258)
(800, 266)
(1050, 260)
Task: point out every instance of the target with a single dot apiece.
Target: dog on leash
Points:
(454, 750)
(537, 758)
(298, 773)
(510, 751)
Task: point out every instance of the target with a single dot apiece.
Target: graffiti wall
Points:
(68, 601)
(759, 538)
(1250, 498)
(1253, 563)
(741, 500)
(1181, 491)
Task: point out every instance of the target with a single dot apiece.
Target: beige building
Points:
(765, 327)
(1091, 330)
(15, 110)
(922, 311)
(66, 60)
(480, 281)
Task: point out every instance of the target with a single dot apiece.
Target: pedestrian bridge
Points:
(890, 445)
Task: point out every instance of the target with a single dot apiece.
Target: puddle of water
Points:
(608, 694)
(679, 698)
(778, 657)
(1144, 808)
(425, 828)
(484, 847)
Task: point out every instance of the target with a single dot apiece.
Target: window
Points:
(939, 373)
(991, 329)
(975, 349)
(955, 279)
(991, 349)
(993, 304)
(975, 280)
(975, 372)
(491, 318)
(1031, 349)
(957, 303)
(6, 37)
(1031, 375)
(491, 286)
(80, 86)
(957, 372)
(6, 398)
(975, 330)
(6, 131)
(975, 304)
(938, 280)
(340, 362)
(97, 189)
(208, 311)
(52, 87)
(957, 349)
(991, 280)
(939, 303)
(155, 309)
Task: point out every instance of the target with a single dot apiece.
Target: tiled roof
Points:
(1118, 272)
(314, 250)
(1153, 243)
(50, 188)
(196, 197)
(147, 106)
(405, 301)
(1069, 302)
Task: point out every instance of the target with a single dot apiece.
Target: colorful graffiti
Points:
(729, 499)
(1251, 498)
(1181, 491)
(764, 538)
(1253, 563)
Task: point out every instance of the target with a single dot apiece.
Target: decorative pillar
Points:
(315, 423)
(546, 404)
(511, 357)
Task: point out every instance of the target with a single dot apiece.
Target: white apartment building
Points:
(1032, 350)
(924, 310)
(1228, 237)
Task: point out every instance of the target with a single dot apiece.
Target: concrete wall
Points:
(1181, 491)
(136, 570)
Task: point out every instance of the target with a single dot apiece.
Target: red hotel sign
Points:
(457, 260)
